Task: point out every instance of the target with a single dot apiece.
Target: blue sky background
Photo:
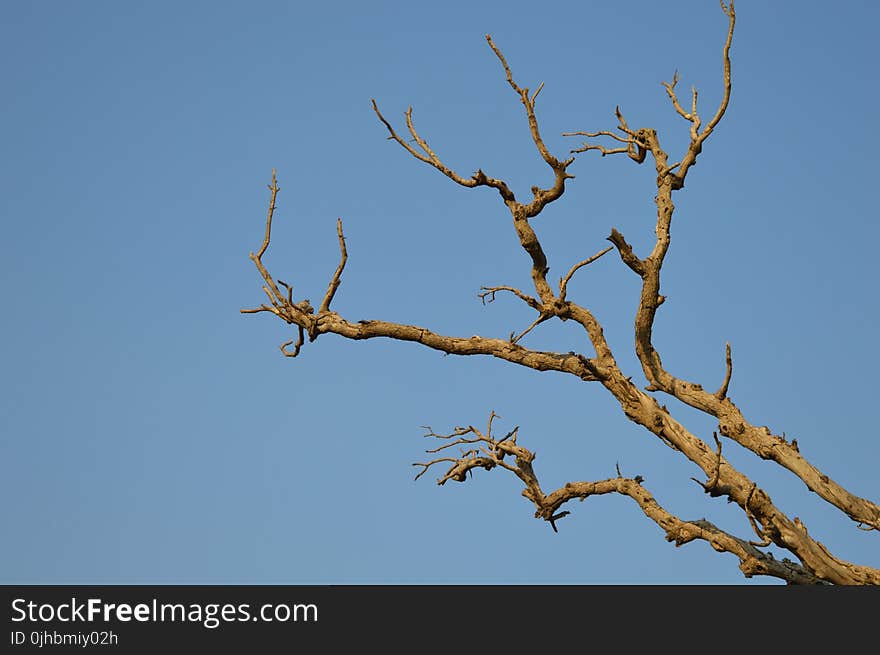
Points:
(152, 434)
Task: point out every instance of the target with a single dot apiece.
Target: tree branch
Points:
(697, 137)
(634, 147)
(489, 293)
(721, 394)
(563, 282)
(334, 281)
(430, 157)
(490, 453)
(325, 321)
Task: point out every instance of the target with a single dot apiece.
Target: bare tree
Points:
(477, 448)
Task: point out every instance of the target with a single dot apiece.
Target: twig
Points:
(721, 394)
(605, 151)
(334, 281)
(274, 188)
(489, 293)
(599, 133)
(528, 103)
(555, 518)
(300, 339)
(430, 157)
(563, 282)
(548, 506)
(535, 323)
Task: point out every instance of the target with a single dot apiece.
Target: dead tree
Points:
(812, 562)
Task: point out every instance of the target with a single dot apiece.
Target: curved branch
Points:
(644, 410)
(732, 423)
(490, 453)
(430, 157)
(325, 321)
(488, 296)
(563, 282)
(334, 281)
(697, 137)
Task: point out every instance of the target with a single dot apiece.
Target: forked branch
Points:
(697, 136)
(483, 451)
(428, 156)
(635, 146)
(303, 315)
(479, 449)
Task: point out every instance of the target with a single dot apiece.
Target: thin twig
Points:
(300, 339)
(535, 323)
(274, 188)
(488, 296)
(599, 133)
(721, 394)
(334, 281)
(563, 282)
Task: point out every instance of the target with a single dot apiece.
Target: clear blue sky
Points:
(152, 434)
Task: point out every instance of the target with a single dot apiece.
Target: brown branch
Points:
(614, 136)
(274, 188)
(721, 394)
(281, 305)
(489, 292)
(257, 259)
(529, 104)
(635, 148)
(520, 212)
(304, 317)
(334, 281)
(670, 91)
(621, 122)
(300, 339)
(732, 423)
(542, 197)
(563, 281)
(430, 157)
(752, 561)
(698, 137)
(642, 141)
(644, 410)
(725, 100)
(605, 151)
(487, 456)
(257, 310)
(491, 455)
(500, 348)
(543, 317)
(784, 532)
(626, 252)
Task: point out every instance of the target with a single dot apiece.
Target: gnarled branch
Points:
(480, 449)
(485, 452)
